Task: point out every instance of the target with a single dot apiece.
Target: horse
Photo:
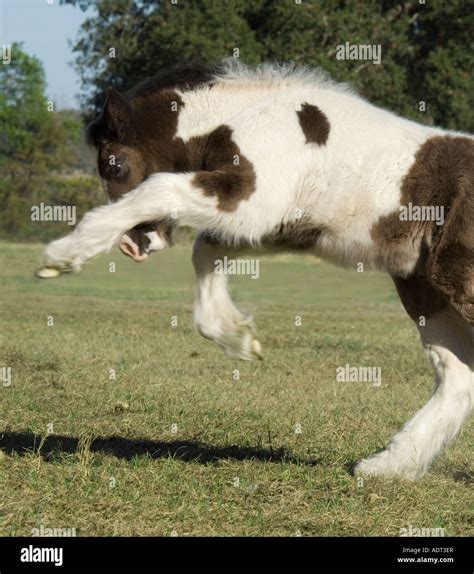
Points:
(280, 157)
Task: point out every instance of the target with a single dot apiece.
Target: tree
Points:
(424, 46)
(35, 147)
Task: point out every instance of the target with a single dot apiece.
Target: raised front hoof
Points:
(47, 273)
(60, 256)
(236, 337)
(385, 465)
(246, 348)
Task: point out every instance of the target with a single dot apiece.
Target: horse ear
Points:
(116, 113)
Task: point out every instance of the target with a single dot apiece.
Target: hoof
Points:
(47, 273)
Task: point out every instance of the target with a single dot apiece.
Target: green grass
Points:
(112, 464)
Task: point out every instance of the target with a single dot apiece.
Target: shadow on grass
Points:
(465, 476)
(51, 446)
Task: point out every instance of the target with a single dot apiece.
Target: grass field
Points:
(175, 444)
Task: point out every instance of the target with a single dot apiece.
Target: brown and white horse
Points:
(281, 157)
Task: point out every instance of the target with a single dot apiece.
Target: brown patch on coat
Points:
(136, 136)
(442, 176)
(314, 124)
(419, 297)
(139, 127)
(300, 234)
(117, 107)
(225, 172)
(141, 143)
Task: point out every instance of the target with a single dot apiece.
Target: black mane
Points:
(182, 76)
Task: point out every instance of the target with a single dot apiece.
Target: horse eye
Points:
(115, 170)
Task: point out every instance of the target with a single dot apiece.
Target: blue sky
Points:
(45, 29)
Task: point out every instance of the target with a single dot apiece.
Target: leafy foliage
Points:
(36, 149)
(425, 47)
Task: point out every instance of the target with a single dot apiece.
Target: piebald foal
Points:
(282, 158)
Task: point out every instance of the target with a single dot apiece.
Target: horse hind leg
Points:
(449, 342)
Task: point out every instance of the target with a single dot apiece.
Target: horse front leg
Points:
(215, 315)
(163, 197)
